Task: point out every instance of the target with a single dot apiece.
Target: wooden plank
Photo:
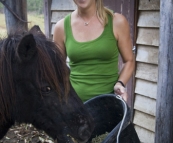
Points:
(164, 109)
(145, 104)
(147, 54)
(148, 36)
(149, 4)
(146, 88)
(47, 15)
(63, 5)
(144, 120)
(147, 72)
(52, 28)
(144, 135)
(57, 15)
(149, 19)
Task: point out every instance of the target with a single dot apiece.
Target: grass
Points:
(2, 25)
(33, 19)
(36, 20)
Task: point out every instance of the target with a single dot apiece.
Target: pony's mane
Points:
(54, 72)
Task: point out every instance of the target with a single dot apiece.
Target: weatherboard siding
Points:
(59, 9)
(146, 75)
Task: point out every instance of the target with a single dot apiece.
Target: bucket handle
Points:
(125, 113)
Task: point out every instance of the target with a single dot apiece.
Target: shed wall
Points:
(146, 69)
(59, 9)
(146, 62)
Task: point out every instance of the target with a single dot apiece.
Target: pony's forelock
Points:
(53, 72)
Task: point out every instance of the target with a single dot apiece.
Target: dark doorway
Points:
(127, 8)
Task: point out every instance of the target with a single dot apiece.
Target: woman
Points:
(92, 37)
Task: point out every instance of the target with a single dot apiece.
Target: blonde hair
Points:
(102, 12)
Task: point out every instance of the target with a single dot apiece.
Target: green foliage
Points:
(35, 6)
(1, 7)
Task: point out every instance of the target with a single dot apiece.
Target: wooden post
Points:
(47, 18)
(19, 7)
(164, 106)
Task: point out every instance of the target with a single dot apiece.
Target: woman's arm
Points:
(59, 36)
(122, 34)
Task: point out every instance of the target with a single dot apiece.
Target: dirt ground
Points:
(25, 133)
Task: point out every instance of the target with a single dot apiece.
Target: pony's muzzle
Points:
(84, 132)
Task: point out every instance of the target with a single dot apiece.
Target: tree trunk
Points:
(19, 7)
(164, 107)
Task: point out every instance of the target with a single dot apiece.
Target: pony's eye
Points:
(46, 89)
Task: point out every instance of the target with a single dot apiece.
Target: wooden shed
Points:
(144, 19)
(146, 77)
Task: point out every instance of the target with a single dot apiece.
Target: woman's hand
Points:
(120, 90)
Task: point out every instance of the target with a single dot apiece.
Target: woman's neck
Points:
(87, 13)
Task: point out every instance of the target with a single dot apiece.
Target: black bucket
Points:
(111, 114)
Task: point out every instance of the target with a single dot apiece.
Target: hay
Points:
(99, 139)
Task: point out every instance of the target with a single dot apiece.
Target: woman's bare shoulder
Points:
(58, 33)
(59, 25)
(120, 20)
(120, 26)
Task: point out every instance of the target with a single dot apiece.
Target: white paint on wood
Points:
(148, 36)
(147, 54)
(149, 19)
(144, 120)
(149, 4)
(58, 15)
(144, 135)
(146, 88)
(145, 104)
(147, 71)
(63, 5)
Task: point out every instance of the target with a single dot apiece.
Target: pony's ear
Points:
(26, 48)
(36, 29)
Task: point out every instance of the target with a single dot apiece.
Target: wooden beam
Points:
(19, 7)
(164, 105)
(47, 17)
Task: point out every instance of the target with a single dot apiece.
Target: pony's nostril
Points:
(82, 121)
(84, 132)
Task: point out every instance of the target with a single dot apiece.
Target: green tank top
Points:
(93, 64)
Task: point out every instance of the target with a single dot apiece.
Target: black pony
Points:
(35, 88)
